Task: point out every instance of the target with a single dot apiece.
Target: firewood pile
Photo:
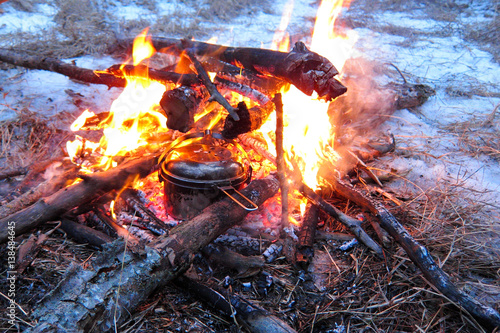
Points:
(143, 269)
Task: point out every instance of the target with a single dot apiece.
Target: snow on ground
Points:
(433, 60)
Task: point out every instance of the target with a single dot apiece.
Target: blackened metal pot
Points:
(200, 169)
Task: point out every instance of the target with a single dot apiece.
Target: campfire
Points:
(208, 143)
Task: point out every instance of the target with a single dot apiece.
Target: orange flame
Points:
(143, 48)
(132, 115)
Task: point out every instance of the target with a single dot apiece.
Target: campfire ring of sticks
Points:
(128, 270)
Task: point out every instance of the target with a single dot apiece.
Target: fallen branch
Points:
(101, 299)
(55, 65)
(52, 207)
(485, 315)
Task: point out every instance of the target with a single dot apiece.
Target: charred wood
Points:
(254, 318)
(307, 70)
(102, 298)
(181, 104)
(352, 224)
(485, 315)
(55, 65)
(165, 77)
(85, 235)
(148, 218)
(307, 235)
(203, 76)
(13, 173)
(52, 207)
(250, 78)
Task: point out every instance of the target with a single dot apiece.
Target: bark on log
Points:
(101, 299)
(307, 70)
(485, 315)
(52, 207)
(56, 65)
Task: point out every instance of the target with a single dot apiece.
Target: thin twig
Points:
(212, 89)
(280, 160)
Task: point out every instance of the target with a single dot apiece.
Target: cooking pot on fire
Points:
(200, 169)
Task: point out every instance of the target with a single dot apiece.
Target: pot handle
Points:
(225, 188)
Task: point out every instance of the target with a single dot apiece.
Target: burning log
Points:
(103, 298)
(161, 76)
(485, 315)
(52, 207)
(180, 105)
(307, 70)
(55, 65)
(149, 219)
(280, 161)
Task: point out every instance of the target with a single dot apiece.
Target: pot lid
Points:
(201, 162)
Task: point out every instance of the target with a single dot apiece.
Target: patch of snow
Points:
(12, 21)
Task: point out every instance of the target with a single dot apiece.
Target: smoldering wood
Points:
(243, 90)
(352, 224)
(307, 70)
(52, 207)
(133, 242)
(307, 235)
(420, 256)
(258, 145)
(158, 75)
(85, 235)
(253, 317)
(56, 65)
(148, 218)
(120, 280)
(181, 104)
(13, 173)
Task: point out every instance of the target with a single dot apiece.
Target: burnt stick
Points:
(83, 234)
(307, 70)
(148, 218)
(158, 75)
(56, 65)
(307, 235)
(280, 161)
(212, 89)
